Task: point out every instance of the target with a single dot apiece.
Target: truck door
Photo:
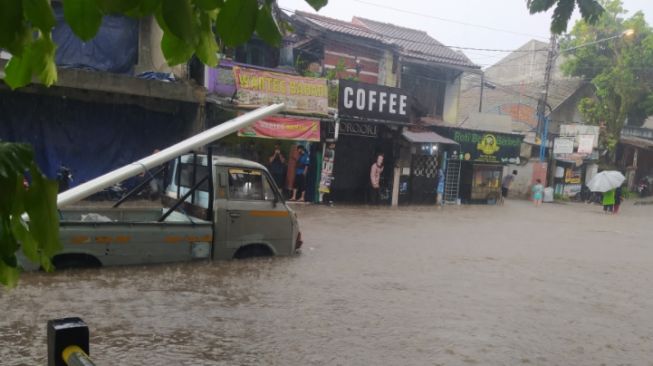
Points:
(255, 213)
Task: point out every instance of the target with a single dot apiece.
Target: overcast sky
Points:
(493, 24)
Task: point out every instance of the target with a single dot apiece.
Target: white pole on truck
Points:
(107, 180)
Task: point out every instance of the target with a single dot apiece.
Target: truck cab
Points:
(250, 215)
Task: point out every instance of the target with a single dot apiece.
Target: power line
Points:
(449, 20)
(432, 44)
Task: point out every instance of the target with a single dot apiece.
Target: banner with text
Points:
(300, 94)
(370, 101)
(485, 146)
(284, 128)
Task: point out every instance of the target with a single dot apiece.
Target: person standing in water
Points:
(375, 179)
(538, 191)
(608, 201)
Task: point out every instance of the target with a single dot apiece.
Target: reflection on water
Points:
(372, 287)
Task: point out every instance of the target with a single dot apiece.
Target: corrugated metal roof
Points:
(427, 138)
(410, 43)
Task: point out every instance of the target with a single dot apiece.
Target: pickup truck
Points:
(247, 217)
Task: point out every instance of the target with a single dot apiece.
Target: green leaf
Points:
(208, 4)
(237, 21)
(8, 274)
(83, 17)
(9, 244)
(180, 20)
(43, 57)
(117, 6)
(537, 6)
(41, 207)
(144, 8)
(561, 15)
(14, 157)
(175, 50)
(18, 71)
(11, 19)
(29, 245)
(21, 41)
(40, 14)
(267, 27)
(317, 4)
(590, 10)
(207, 49)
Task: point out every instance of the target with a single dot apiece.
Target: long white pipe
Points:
(107, 180)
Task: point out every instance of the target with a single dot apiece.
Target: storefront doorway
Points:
(356, 150)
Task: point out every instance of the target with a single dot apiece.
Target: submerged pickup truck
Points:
(230, 208)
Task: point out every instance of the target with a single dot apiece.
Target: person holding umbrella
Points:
(607, 182)
(608, 201)
(618, 198)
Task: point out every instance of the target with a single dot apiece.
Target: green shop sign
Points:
(485, 146)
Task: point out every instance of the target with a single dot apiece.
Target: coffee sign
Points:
(370, 101)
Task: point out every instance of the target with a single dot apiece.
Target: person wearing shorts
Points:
(300, 174)
(538, 193)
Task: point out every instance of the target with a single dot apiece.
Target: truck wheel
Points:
(68, 261)
(255, 250)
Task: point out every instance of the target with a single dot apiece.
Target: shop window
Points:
(256, 53)
(486, 182)
(249, 184)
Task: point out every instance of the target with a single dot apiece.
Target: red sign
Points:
(284, 128)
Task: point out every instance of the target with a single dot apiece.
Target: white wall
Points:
(451, 100)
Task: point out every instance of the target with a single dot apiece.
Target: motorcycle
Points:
(644, 186)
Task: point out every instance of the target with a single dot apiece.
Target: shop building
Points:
(425, 78)
(234, 87)
(474, 171)
(575, 159)
(635, 154)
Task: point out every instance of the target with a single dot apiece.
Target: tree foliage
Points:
(590, 10)
(37, 235)
(620, 68)
(189, 28)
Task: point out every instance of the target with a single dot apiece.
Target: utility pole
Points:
(542, 121)
(480, 101)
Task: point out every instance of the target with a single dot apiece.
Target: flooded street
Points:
(559, 285)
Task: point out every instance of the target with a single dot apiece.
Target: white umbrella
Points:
(606, 180)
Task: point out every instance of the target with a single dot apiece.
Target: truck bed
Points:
(133, 236)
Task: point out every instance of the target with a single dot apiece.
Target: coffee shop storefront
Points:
(369, 123)
(480, 161)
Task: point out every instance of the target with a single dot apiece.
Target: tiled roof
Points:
(416, 43)
(411, 43)
(340, 26)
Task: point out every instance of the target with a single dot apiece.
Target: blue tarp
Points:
(114, 48)
(89, 138)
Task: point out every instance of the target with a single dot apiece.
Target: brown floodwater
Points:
(558, 285)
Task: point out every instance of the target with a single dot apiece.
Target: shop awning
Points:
(427, 138)
(637, 142)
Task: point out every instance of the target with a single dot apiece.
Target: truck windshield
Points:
(249, 184)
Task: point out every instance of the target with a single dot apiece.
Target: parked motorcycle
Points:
(644, 186)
